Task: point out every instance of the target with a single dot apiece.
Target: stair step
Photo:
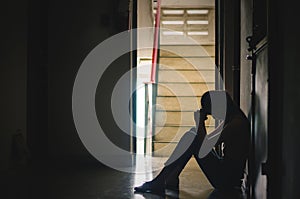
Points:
(187, 50)
(186, 76)
(168, 134)
(186, 71)
(163, 149)
(182, 18)
(187, 25)
(184, 39)
(179, 103)
(185, 30)
(204, 63)
(187, 4)
(184, 89)
(177, 118)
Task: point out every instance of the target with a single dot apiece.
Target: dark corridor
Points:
(43, 44)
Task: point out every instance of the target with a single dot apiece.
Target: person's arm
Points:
(225, 130)
(217, 131)
(200, 117)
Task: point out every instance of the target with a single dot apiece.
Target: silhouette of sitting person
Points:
(224, 172)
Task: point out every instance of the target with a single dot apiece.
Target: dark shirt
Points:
(236, 138)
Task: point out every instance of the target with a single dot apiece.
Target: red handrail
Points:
(155, 42)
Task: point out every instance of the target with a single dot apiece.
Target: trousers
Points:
(222, 172)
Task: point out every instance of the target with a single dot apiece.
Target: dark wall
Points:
(260, 123)
(231, 48)
(246, 30)
(74, 29)
(43, 44)
(277, 20)
(289, 57)
(37, 78)
(291, 110)
(284, 93)
(13, 62)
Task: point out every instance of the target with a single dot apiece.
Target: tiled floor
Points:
(61, 179)
(193, 183)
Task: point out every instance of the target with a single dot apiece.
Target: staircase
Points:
(186, 70)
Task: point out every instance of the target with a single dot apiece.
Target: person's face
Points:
(214, 115)
(206, 110)
(217, 116)
(217, 106)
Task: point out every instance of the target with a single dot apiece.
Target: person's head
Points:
(219, 104)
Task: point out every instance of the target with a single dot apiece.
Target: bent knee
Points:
(192, 133)
(189, 135)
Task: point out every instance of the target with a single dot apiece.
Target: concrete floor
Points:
(66, 179)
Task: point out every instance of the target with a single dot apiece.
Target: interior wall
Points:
(289, 57)
(74, 29)
(231, 47)
(13, 72)
(291, 109)
(144, 20)
(37, 79)
(261, 129)
(259, 148)
(42, 46)
(246, 30)
(283, 161)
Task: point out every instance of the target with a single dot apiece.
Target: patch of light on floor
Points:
(143, 169)
(146, 166)
(140, 119)
(143, 76)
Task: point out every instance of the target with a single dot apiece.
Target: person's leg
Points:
(174, 165)
(222, 173)
(211, 165)
(179, 158)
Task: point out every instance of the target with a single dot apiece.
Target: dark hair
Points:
(219, 103)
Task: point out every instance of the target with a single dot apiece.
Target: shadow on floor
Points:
(72, 179)
(213, 194)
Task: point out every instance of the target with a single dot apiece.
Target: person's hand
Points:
(203, 115)
(199, 116)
